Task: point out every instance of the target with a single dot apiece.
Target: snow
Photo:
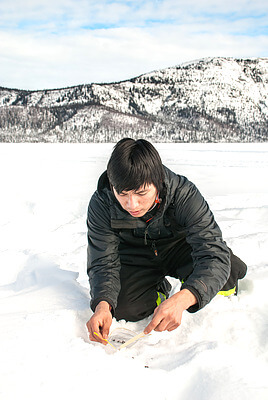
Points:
(220, 352)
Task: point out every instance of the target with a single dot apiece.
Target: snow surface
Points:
(218, 353)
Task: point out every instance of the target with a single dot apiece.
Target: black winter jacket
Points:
(114, 236)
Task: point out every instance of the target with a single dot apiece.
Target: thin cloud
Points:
(47, 44)
(76, 14)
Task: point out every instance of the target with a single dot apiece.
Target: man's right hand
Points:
(100, 323)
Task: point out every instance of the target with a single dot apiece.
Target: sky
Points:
(46, 44)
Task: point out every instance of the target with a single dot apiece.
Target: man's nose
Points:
(131, 202)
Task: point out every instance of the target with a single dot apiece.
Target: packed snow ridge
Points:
(209, 100)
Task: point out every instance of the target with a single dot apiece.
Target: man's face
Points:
(137, 202)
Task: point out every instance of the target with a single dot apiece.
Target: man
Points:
(145, 223)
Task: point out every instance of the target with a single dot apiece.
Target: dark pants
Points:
(140, 285)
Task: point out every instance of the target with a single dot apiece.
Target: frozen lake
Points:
(219, 352)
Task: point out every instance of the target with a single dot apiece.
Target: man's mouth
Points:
(133, 213)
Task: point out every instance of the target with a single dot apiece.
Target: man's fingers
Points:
(162, 326)
(96, 336)
(161, 322)
(171, 327)
(105, 332)
(149, 328)
(100, 338)
(92, 336)
(94, 332)
(153, 324)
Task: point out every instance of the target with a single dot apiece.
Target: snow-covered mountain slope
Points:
(214, 99)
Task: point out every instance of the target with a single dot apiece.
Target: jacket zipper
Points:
(145, 236)
(153, 243)
(154, 249)
(146, 233)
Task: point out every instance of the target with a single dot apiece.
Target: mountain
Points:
(208, 100)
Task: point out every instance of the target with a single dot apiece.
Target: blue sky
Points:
(50, 44)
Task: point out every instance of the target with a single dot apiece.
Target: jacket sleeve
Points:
(103, 263)
(211, 256)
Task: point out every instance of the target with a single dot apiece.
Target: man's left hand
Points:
(168, 315)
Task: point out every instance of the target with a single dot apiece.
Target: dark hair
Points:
(133, 164)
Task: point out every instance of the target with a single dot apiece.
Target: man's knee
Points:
(135, 310)
(238, 271)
